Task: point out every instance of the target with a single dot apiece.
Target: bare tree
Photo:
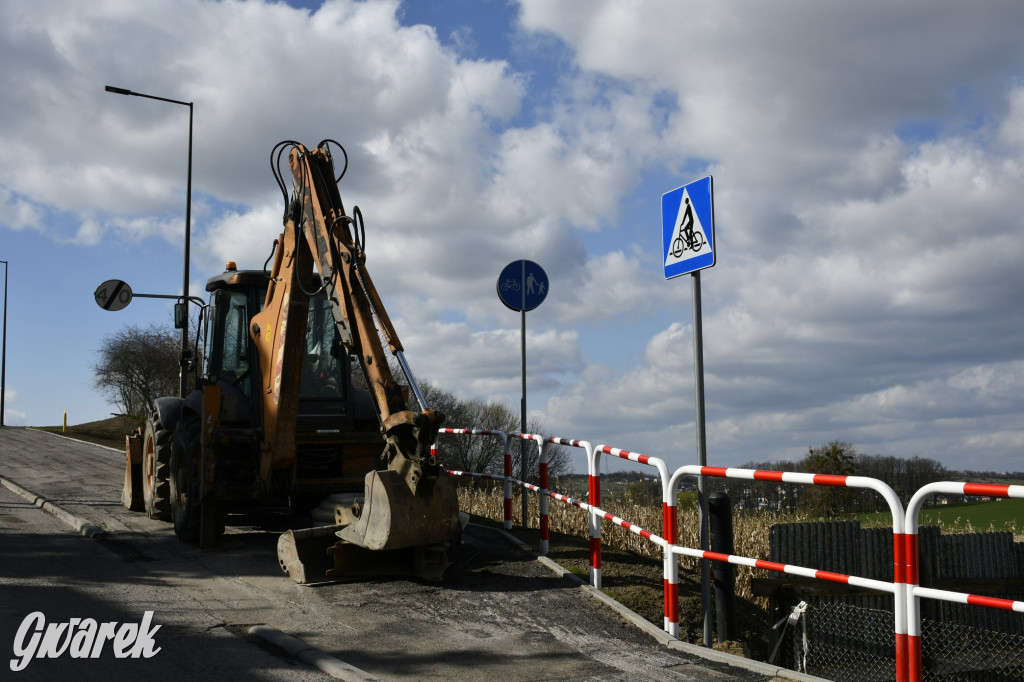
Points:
(484, 454)
(137, 365)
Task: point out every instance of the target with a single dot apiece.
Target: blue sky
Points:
(868, 171)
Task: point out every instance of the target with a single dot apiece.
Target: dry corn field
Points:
(750, 531)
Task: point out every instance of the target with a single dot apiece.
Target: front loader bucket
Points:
(303, 554)
(394, 517)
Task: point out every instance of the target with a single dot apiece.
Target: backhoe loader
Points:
(277, 418)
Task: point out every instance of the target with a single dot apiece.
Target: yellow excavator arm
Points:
(408, 499)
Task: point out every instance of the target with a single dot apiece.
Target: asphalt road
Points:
(498, 614)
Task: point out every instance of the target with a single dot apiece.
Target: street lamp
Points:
(3, 357)
(185, 354)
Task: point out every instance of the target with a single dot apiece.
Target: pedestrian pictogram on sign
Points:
(522, 285)
(688, 226)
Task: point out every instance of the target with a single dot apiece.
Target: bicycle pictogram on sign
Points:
(688, 239)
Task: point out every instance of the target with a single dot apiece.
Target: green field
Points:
(1006, 514)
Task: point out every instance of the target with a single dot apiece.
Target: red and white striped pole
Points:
(668, 523)
(671, 533)
(542, 489)
(594, 521)
(913, 574)
(543, 501)
(593, 487)
(507, 487)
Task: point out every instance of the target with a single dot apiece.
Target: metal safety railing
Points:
(904, 586)
(915, 592)
(898, 585)
(506, 462)
(668, 526)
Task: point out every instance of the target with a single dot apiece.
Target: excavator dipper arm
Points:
(409, 501)
(358, 310)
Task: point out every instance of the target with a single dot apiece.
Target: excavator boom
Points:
(409, 502)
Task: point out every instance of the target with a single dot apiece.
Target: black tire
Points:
(156, 460)
(184, 480)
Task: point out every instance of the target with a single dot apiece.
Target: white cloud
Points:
(245, 238)
(867, 173)
(851, 318)
(12, 416)
(577, 167)
(488, 363)
(18, 214)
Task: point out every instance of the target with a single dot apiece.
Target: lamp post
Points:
(185, 354)
(3, 356)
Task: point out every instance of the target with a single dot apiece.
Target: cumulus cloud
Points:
(488, 363)
(17, 213)
(867, 172)
(871, 223)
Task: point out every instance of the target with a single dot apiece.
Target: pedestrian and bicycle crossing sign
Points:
(688, 228)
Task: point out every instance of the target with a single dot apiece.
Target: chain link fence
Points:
(960, 652)
(844, 642)
(841, 642)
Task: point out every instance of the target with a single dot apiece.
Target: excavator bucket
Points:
(397, 532)
(393, 516)
(312, 556)
(304, 554)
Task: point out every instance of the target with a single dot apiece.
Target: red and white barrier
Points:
(507, 453)
(594, 498)
(668, 522)
(542, 489)
(905, 586)
(898, 585)
(915, 592)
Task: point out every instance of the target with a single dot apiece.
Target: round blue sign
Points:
(522, 285)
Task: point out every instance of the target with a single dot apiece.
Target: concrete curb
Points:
(310, 655)
(80, 525)
(657, 633)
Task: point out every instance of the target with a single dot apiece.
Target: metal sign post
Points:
(702, 453)
(688, 238)
(3, 358)
(522, 285)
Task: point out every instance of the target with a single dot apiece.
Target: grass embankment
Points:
(109, 432)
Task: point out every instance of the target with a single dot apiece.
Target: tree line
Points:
(904, 476)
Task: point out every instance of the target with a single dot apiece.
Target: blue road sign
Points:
(522, 285)
(688, 228)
